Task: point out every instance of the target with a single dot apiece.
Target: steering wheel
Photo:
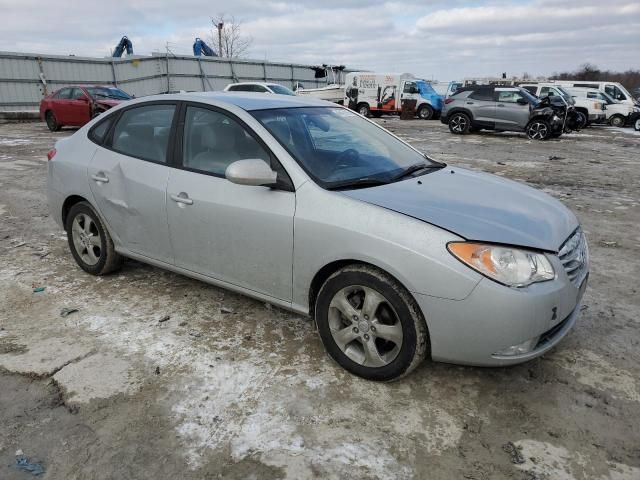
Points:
(350, 156)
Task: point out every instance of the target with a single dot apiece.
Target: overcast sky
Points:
(433, 39)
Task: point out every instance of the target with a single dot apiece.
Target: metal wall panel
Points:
(26, 78)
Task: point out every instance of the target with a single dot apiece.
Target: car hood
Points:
(477, 206)
(110, 103)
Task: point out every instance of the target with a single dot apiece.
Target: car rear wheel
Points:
(363, 109)
(425, 112)
(616, 121)
(89, 242)
(581, 120)
(637, 125)
(459, 123)
(538, 130)
(369, 323)
(52, 123)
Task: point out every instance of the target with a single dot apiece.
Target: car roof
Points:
(248, 100)
(264, 84)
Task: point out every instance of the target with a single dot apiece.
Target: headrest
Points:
(219, 137)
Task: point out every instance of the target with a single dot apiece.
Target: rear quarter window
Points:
(98, 132)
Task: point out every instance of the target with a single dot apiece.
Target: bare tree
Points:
(227, 38)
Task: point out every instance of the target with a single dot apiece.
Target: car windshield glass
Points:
(529, 96)
(279, 89)
(105, 92)
(340, 149)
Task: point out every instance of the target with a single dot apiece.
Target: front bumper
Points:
(494, 317)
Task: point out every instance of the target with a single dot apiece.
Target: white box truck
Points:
(378, 93)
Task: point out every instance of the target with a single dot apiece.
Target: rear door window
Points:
(484, 94)
(143, 132)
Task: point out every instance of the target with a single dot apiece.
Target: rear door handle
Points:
(100, 177)
(182, 198)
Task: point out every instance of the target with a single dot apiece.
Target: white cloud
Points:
(441, 39)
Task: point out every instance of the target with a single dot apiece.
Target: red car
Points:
(78, 104)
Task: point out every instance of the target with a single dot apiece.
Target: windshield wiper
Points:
(357, 183)
(411, 169)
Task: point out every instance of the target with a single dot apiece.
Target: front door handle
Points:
(469, 103)
(100, 177)
(182, 198)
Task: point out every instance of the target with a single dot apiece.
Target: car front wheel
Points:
(89, 242)
(459, 123)
(363, 109)
(538, 130)
(52, 122)
(616, 121)
(637, 125)
(370, 324)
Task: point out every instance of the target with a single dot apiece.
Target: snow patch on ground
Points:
(547, 461)
(14, 142)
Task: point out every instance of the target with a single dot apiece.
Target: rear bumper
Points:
(493, 318)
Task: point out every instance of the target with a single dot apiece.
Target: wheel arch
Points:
(455, 110)
(332, 267)
(68, 203)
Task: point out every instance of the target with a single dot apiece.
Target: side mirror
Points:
(522, 101)
(252, 171)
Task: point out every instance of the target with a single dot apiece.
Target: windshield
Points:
(340, 149)
(532, 99)
(279, 89)
(108, 92)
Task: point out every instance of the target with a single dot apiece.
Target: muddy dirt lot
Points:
(228, 387)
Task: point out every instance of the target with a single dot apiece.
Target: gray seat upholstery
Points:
(138, 140)
(219, 144)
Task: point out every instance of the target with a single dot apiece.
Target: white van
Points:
(613, 89)
(379, 93)
(591, 111)
(618, 113)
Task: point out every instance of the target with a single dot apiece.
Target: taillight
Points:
(447, 101)
(51, 154)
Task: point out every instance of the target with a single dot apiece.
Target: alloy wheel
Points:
(86, 239)
(365, 326)
(538, 131)
(617, 121)
(459, 123)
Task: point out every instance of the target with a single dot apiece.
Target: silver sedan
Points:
(309, 206)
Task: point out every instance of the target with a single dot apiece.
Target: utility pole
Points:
(220, 25)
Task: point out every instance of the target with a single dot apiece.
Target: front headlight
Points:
(510, 266)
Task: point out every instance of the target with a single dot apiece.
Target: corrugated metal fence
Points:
(26, 78)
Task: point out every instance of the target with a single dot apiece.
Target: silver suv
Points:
(491, 107)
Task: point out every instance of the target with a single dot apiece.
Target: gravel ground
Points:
(228, 387)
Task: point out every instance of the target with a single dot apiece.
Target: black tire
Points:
(363, 109)
(404, 311)
(459, 123)
(538, 129)
(582, 120)
(616, 121)
(376, 114)
(52, 122)
(636, 125)
(108, 259)
(425, 112)
(555, 135)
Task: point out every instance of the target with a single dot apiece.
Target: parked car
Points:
(514, 109)
(77, 104)
(379, 93)
(307, 205)
(588, 110)
(618, 114)
(258, 87)
(614, 89)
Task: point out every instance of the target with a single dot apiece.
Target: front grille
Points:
(549, 335)
(574, 255)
